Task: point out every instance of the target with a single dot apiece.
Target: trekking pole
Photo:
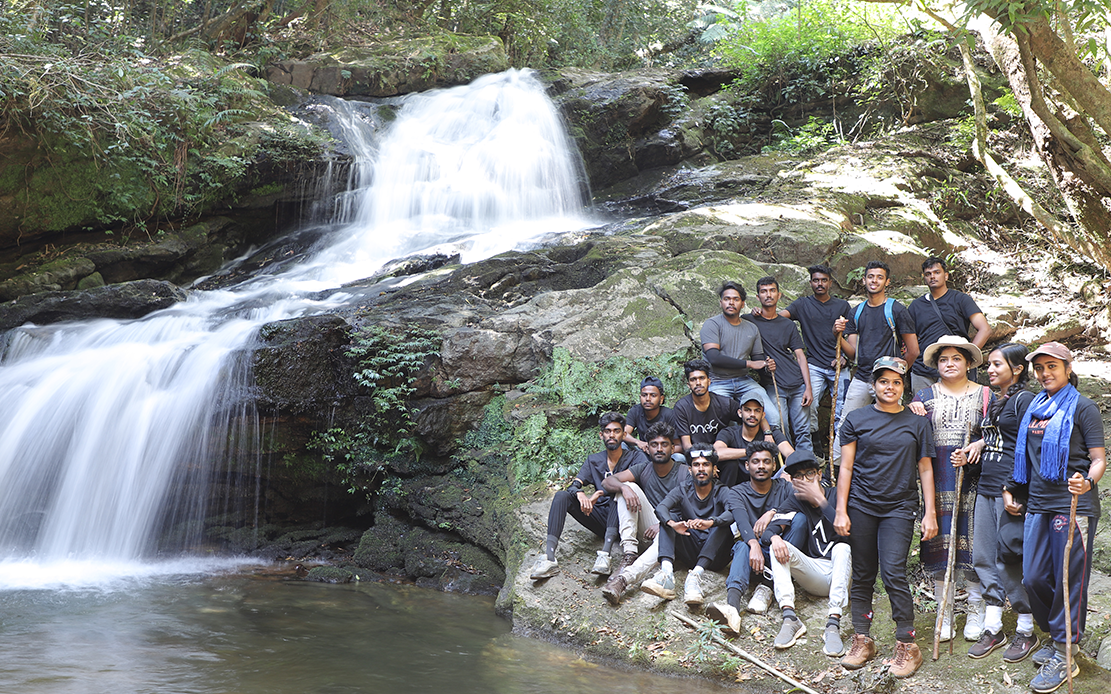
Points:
(779, 405)
(945, 605)
(833, 409)
(1065, 579)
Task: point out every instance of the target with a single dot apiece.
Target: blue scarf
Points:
(1059, 410)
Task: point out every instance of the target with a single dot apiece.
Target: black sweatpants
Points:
(713, 545)
(888, 557)
(567, 502)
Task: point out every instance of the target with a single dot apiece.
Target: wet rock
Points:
(472, 358)
(300, 365)
(441, 423)
(330, 574)
(127, 300)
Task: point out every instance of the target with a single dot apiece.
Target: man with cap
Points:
(733, 442)
(942, 311)
(756, 506)
(650, 411)
(638, 491)
(822, 566)
(694, 528)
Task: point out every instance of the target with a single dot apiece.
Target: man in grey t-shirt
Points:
(733, 346)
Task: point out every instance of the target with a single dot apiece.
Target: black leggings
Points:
(567, 502)
(710, 547)
(887, 557)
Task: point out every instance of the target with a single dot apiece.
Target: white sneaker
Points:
(761, 598)
(724, 613)
(692, 590)
(602, 564)
(544, 569)
(974, 623)
(662, 585)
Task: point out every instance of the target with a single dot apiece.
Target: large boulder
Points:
(127, 300)
(300, 365)
(395, 67)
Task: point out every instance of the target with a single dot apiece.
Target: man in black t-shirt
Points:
(816, 315)
(592, 511)
(733, 442)
(638, 491)
(787, 375)
(698, 417)
(878, 328)
(650, 411)
(939, 312)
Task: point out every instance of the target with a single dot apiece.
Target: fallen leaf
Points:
(1007, 678)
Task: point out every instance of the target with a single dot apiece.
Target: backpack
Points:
(887, 315)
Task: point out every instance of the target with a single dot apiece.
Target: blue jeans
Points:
(741, 389)
(740, 572)
(821, 380)
(797, 426)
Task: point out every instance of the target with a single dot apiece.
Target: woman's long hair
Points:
(1015, 356)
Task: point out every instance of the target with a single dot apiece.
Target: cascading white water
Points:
(102, 423)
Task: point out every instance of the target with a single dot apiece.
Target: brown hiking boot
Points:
(908, 658)
(615, 588)
(626, 561)
(862, 650)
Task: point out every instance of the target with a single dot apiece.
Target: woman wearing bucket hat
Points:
(885, 451)
(997, 529)
(1060, 455)
(955, 407)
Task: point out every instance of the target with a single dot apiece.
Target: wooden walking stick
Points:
(1065, 580)
(945, 605)
(833, 408)
(779, 404)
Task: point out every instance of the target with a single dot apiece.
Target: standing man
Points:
(734, 441)
(698, 417)
(694, 525)
(942, 311)
(650, 411)
(816, 315)
(638, 491)
(878, 327)
(787, 374)
(593, 511)
(732, 347)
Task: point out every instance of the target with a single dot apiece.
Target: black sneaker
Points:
(988, 642)
(1021, 648)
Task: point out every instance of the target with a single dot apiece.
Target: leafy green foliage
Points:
(812, 137)
(795, 57)
(389, 362)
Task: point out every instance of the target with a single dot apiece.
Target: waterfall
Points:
(109, 429)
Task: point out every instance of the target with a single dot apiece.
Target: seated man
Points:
(756, 506)
(592, 512)
(695, 528)
(638, 491)
(650, 411)
(823, 567)
(733, 442)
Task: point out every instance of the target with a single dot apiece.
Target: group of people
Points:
(1000, 482)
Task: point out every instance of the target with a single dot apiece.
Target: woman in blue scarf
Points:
(1060, 452)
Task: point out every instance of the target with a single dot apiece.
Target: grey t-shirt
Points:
(655, 488)
(737, 341)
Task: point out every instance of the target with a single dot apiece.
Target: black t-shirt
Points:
(816, 323)
(703, 427)
(1053, 496)
(885, 468)
(656, 488)
(640, 422)
(819, 520)
(949, 315)
(781, 338)
(682, 503)
(998, 459)
(731, 472)
(874, 335)
(595, 469)
(747, 505)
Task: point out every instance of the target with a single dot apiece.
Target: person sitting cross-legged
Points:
(638, 491)
(694, 528)
(823, 566)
